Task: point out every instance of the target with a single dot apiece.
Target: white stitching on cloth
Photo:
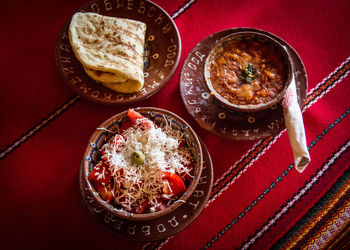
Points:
(182, 9)
(272, 142)
(35, 129)
(297, 197)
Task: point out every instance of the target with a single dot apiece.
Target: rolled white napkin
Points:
(293, 120)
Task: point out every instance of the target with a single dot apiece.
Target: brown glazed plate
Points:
(161, 56)
(218, 119)
(146, 228)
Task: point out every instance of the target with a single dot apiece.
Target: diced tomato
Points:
(100, 173)
(166, 188)
(143, 207)
(177, 186)
(119, 173)
(120, 200)
(125, 126)
(162, 205)
(137, 118)
(133, 115)
(118, 177)
(117, 141)
(182, 143)
(106, 192)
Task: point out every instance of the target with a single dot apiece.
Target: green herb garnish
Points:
(248, 74)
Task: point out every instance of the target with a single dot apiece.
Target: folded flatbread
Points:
(110, 49)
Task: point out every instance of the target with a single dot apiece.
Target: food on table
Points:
(247, 72)
(144, 167)
(110, 49)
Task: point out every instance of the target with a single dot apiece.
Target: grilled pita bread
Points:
(110, 49)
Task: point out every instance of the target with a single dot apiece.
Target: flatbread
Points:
(110, 49)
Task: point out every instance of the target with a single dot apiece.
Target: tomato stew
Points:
(248, 71)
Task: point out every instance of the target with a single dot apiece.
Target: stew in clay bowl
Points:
(141, 164)
(248, 71)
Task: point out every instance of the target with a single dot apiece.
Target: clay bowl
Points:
(105, 131)
(268, 44)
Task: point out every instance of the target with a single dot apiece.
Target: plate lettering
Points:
(151, 11)
(68, 71)
(166, 28)
(146, 230)
(161, 228)
(173, 222)
(65, 47)
(275, 124)
(130, 4)
(159, 19)
(107, 96)
(108, 5)
(142, 8)
(132, 229)
(65, 59)
(75, 80)
(95, 8)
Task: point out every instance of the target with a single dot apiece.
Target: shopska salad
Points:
(143, 168)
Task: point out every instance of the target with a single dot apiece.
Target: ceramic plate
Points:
(155, 228)
(161, 56)
(216, 118)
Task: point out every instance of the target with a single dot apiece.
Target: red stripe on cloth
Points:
(266, 161)
(298, 197)
(277, 197)
(317, 127)
(46, 120)
(39, 182)
(306, 203)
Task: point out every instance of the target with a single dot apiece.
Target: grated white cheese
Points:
(135, 184)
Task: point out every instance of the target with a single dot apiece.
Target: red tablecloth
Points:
(258, 200)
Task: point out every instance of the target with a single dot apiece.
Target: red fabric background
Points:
(39, 198)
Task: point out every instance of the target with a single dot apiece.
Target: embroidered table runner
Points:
(258, 200)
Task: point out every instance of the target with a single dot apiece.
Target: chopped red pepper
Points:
(137, 118)
(106, 192)
(143, 207)
(177, 186)
(125, 126)
(115, 142)
(100, 173)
